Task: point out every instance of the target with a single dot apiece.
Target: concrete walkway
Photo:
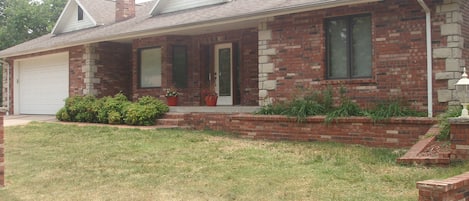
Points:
(16, 120)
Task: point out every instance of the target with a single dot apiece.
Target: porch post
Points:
(266, 66)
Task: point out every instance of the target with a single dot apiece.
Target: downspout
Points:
(429, 57)
(7, 65)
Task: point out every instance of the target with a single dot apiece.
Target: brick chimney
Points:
(125, 9)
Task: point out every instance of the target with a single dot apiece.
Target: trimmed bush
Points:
(112, 110)
(145, 111)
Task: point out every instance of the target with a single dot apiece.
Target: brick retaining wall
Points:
(454, 188)
(395, 133)
(459, 138)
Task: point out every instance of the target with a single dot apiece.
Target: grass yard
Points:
(63, 162)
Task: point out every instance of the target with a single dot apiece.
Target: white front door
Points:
(224, 73)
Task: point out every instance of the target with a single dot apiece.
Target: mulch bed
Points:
(434, 148)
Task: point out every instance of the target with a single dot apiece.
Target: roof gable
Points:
(95, 13)
(167, 6)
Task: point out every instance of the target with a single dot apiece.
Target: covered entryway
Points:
(41, 84)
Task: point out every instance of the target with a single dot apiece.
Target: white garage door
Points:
(42, 84)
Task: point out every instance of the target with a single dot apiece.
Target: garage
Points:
(41, 84)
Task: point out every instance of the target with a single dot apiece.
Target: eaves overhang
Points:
(235, 19)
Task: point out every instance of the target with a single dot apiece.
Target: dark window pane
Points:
(180, 66)
(349, 47)
(337, 48)
(361, 46)
(225, 71)
(80, 13)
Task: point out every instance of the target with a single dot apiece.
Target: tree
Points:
(23, 20)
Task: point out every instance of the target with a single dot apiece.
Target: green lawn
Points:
(63, 162)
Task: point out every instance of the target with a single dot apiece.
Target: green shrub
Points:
(346, 109)
(79, 108)
(443, 120)
(107, 105)
(387, 110)
(273, 109)
(145, 111)
(303, 108)
(114, 117)
(322, 103)
(160, 106)
(112, 110)
(62, 115)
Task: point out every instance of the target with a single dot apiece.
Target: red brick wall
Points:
(146, 43)
(113, 69)
(2, 152)
(459, 139)
(77, 76)
(395, 133)
(399, 54)
(247, 41)
(454, 188)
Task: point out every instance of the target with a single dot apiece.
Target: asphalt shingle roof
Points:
(144, 23)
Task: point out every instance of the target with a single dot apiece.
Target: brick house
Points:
(252, 52)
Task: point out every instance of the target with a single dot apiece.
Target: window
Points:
(180, 66)
(150, 67)
(80, 13)
(349, 53)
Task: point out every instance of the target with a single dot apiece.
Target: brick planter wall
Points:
(454, 188)
(459, 139)
(395, 133)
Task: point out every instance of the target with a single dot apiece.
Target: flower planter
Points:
(211, 100)
(172, 100)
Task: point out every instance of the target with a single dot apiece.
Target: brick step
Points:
(170, 122)
(411, 157)
(173, 115)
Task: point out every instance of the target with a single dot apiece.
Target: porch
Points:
(217, 109)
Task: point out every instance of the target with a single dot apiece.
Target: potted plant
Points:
(172, 96)
(210, 97)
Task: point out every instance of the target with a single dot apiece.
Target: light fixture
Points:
(462, 90)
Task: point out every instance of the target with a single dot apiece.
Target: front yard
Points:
(64, 162)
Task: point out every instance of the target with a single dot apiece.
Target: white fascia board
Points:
(61, 16)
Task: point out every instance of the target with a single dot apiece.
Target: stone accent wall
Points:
(292, 52)
(266, 66)
(89, 69)
(451, 51)
(454, 188)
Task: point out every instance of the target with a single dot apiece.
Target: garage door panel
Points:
(43, 84)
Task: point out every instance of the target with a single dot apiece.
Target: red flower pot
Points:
(211, 100)
(172, 100)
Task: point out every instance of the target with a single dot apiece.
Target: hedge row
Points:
(112, 110)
